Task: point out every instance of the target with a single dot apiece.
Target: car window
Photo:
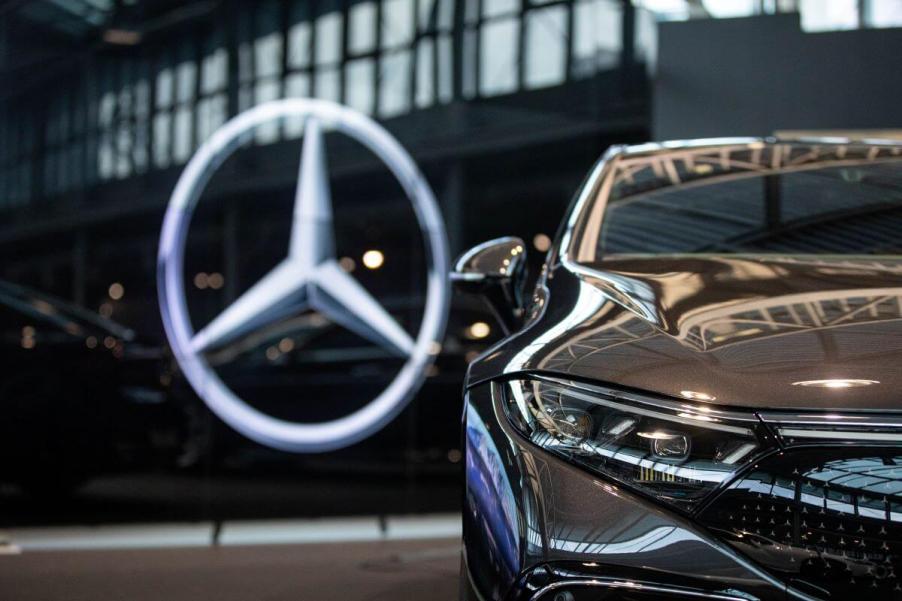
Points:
(838, 207)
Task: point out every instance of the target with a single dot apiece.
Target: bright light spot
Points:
(91, 342)
(347, 263)
(657, 435)
(694, 395)
(201, 281)
(703, 418)
(702, 169)
(286, 345)
(373, 259)
(835, 383)
(106, 310)
(109, 342)
(541, 242)
(116, 291)
(724, 9)
(435, 347)
(215, 280)
(44, 307)
(479, 329)
(272, 353)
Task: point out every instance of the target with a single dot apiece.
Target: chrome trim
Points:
(833, 420)
(696, 408)
(845, 435)
(838, 427)
(635, 587)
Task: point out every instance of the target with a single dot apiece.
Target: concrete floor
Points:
(400, 570)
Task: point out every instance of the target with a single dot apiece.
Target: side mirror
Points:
(495, 270)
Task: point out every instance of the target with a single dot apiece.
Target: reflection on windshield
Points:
(750, 198)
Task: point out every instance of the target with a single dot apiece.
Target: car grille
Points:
(828, 521)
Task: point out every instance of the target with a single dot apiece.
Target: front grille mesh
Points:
(827, 521)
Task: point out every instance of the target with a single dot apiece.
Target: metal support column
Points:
(80, 267)
(452, 205)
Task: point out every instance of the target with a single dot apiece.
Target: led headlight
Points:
(677, 451)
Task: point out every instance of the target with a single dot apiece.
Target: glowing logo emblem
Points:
(308, 278)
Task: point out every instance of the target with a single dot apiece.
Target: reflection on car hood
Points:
(744, 330)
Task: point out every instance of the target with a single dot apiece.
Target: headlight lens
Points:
(678, 452)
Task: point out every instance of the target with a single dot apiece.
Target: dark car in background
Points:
(80, 395)
(701, 397)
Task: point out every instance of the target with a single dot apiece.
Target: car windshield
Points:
(750, 198)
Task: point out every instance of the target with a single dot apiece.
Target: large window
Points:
(124, 113)
(17, 133)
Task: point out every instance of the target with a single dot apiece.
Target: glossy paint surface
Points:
(784, 333)
(742, 331)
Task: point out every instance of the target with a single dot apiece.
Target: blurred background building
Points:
(504, 104)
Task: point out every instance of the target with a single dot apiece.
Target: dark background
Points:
(504, 105)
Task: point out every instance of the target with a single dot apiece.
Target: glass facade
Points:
(125, 114)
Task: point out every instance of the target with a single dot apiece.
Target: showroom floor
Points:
(387, 570)
(365, 558)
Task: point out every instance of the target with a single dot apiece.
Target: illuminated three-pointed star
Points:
(309, 277)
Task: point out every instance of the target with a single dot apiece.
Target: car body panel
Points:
(739, 331)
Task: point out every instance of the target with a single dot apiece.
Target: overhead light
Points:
(122, 37)
(286, 345)
(215, 280)
(347, 264)
(91, 342)
(116, 291)
(835, 383)
(478, 330)
(541, 242)
(373, 259)
(201, 281)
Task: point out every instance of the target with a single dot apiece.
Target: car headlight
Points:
(678, 452)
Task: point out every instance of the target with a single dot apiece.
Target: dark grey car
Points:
(701, 397)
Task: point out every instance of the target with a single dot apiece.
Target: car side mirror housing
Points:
(496, 271)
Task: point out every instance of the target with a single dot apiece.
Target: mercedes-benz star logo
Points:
(309, 278)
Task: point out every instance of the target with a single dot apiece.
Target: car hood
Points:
(741, 331)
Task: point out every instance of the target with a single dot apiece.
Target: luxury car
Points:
(701, 397)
